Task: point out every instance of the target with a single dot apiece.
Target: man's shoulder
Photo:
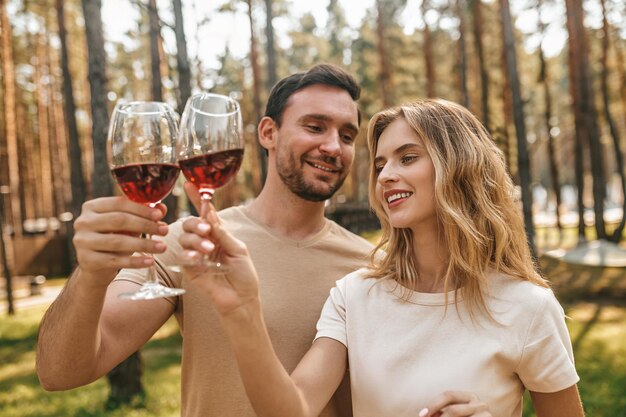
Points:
(342, 234)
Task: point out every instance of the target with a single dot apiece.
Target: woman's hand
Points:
(456, 404)
(230, 290)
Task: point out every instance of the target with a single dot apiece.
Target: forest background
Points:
(546, 77)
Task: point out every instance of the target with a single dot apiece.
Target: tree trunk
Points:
(77, 179)
(8, 78)
(157, 90)
(125, 379)
(5, 259)
(259, 176)
(155, 67)
(101, 179)
(482, 65)
(584, 101)
(507, 111)
(272, 70)
(385, 74)
(544, 79)
(460, 10)
(615, 135)
(428, 55)
(182, 59)
(619, 55)
(45, 179)
(520, 128)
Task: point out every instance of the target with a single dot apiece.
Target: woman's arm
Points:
(270, 389)
(235, 296)
(565, 403)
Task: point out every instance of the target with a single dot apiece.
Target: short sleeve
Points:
(547, 362)
(332, 322)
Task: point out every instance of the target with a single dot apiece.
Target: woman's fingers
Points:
(455, 404)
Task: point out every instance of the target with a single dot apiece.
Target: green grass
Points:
(22, 396)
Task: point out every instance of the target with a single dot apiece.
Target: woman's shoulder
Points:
(357, 280)
(519, 291)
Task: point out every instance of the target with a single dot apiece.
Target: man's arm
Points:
(88, 330)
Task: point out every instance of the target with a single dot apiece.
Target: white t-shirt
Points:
(402, 354)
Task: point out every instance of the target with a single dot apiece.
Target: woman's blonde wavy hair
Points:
(474, 197)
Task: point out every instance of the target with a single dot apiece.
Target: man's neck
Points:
(287, 214)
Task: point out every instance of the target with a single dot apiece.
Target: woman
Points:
(451, 320)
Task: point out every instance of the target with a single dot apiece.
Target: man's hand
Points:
(108, 232)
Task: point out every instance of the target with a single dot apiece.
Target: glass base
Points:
(152, 291)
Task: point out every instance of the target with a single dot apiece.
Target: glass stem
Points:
(151, 278)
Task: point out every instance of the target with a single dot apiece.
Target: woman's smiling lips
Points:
(396, 197)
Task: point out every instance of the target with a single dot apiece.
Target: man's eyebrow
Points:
(326, 118)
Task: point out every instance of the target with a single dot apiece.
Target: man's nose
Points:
(331, 144)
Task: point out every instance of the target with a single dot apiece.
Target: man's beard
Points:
(293, 177)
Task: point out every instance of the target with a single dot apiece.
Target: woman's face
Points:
(405, 184)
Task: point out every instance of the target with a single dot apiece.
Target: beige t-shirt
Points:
(402, 354)
(295, 277)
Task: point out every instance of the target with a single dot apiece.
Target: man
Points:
(309, 129)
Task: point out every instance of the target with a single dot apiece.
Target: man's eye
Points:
(348, 138)
(314, 128)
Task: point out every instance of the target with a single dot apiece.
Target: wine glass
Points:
(141, 147)
(210, 148)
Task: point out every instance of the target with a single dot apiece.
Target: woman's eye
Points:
(408, 158)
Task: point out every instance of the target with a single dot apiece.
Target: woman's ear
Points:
(267, 132)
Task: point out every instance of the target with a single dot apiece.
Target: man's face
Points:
(315, 142)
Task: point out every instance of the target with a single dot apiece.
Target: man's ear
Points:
(267, 132)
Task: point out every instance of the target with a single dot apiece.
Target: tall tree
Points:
(124, 379)
(272, 69)
(585, 112)
(256, 91)
(41, 81)
(428, 53)
(77, 179)
(544, 79)
(4, 258)
(460, 8)
(477, 14)
(10, 121)
(155, 61)
(383, 61)
(615, 134)
(518, 116)
(101, 179)
(182, 60)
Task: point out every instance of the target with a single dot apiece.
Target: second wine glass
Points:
(141, 150)
(210, 145)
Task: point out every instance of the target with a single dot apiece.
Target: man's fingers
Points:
(113, 222)
(118, 243)
(94, 260)
(122, 204)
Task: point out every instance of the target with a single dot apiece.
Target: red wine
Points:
(146, 183)
(212, 170)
